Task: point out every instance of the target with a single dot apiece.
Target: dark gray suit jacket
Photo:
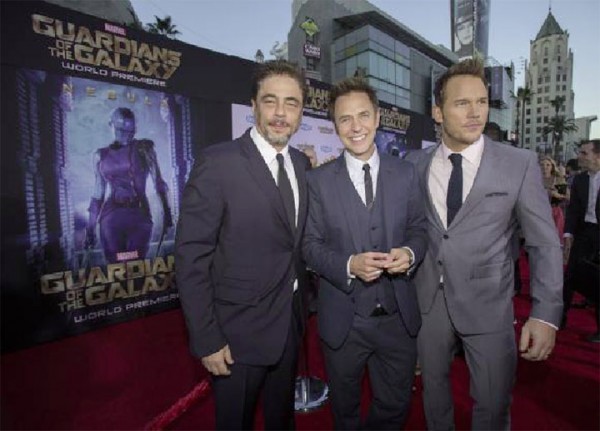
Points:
(237, 255)
(474, 253)
(333, 234)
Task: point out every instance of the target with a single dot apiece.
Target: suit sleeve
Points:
(542, 243)
(202, 209)
(416, 225)
(328, 263)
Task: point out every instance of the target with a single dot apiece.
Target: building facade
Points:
(334, 39)
(549, 75)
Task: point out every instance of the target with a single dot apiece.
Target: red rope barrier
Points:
(177, 409)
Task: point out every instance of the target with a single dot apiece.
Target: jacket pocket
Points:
(491, 269)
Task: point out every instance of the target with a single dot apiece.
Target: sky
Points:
(241, 27)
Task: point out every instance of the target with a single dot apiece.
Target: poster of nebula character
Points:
(119, 151)
(97, 173)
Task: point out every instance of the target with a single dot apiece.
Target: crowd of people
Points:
(415, 256)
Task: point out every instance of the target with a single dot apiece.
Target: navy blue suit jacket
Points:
(236, 254)
(333, 234)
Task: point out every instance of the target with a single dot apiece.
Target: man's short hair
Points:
(470, 67)
(351, 85)
(274, 68)
(572, 164)
(595, 145)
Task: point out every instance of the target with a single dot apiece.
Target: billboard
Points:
(469, 27)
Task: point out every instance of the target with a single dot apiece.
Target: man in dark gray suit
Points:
(365, 229)
(239, 272)
(477, 190)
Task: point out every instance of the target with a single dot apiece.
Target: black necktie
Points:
(285, 190)
(455, 186)
(368, 186)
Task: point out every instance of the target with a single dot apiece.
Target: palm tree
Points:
(164, 27)
(524, 95)
(557, 103)
(558, 126)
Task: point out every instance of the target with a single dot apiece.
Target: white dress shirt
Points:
(441, 168)
(269, 154)
(357, 177)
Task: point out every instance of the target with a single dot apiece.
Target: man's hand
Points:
(400, 261)
(537, 340)
(217, 363)
(568, 243)
(369, 266)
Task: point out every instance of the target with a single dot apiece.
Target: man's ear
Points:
(436, 113)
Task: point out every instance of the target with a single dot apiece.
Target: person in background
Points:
(239, 271)
(476, 192)
(365, 230)
(558, 191)
(582, 234)
(571, 169)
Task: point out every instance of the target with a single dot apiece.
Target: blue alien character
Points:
(119, 205)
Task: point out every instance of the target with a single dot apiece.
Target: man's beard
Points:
(278, 140)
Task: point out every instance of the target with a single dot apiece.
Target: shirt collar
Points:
(472, 153)
(266, 150)
(356, 165)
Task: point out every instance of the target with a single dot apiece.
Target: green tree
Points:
(558, 126)
(557, 103)
(524, 95)
(163, 26)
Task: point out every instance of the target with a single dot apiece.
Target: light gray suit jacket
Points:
(474, 253)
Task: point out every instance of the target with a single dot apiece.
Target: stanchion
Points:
(311, 392)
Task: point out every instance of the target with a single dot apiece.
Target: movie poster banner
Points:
(99, 129)
(98, 168)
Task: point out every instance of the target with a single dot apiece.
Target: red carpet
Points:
(122, 377)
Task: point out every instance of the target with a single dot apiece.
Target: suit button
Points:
(445, 237)
(439, 262)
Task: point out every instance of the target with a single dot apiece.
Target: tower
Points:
(549, 75)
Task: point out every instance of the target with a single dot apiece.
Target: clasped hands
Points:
(370, 265)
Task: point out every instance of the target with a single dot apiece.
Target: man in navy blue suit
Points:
(365, 230)
(239, 271)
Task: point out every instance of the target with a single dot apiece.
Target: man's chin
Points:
(279, 140)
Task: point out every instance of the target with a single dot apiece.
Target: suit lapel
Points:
(300, 171)
(387, 185)
(345, 193)
(262, 175)
(485, 176)
(424, 167)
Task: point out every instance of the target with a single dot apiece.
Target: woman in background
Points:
(558, 192)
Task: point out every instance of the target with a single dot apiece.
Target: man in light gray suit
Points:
(477, 190)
